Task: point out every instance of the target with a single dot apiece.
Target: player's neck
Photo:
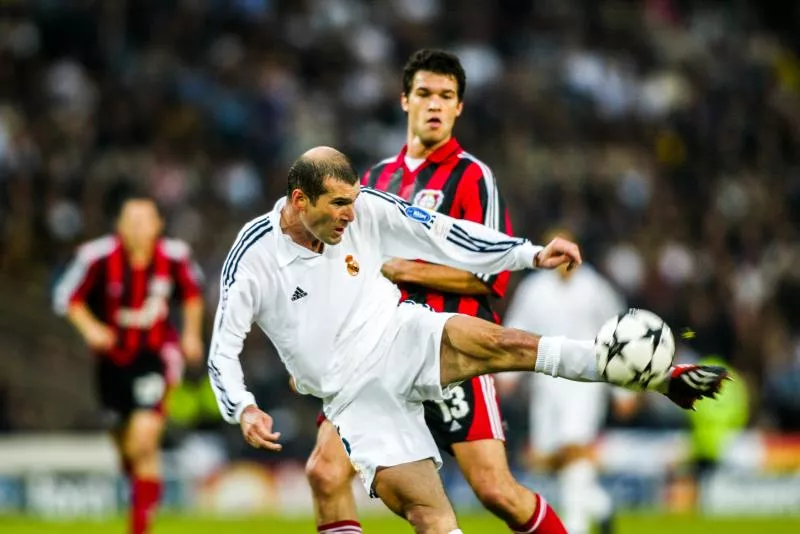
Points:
(292, 226)
(418, 150)
(139, 256)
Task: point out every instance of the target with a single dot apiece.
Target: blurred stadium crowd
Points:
(664, 133)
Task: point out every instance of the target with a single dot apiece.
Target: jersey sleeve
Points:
(411, 232)
(189, 278)
(236, 312)
(77, 282)
(478, 199)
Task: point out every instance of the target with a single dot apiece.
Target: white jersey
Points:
(575, 307)
(327, 312)
(565, 412)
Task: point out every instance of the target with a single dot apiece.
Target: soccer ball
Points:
(634, 349)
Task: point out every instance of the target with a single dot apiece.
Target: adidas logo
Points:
(455, 427)
(298, 294)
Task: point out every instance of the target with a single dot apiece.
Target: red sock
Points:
(543, 521)
(145, 495)
(340, 527)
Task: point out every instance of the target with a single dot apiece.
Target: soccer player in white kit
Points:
(565, 415)
(308, 273)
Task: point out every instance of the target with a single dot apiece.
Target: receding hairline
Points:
(324, 154)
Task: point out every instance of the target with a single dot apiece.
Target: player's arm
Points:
(69, 300)
(189, 280)
(234, 317)
(478, 200)
(411, 232)
(438, 277)
(236, 312)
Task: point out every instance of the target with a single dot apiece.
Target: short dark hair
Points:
(437, 61)
(308, 174)
(124, 191)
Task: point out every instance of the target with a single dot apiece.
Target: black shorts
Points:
(139, 385)
(470, 413)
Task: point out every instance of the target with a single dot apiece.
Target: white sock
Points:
(567, 358)
(576, 488)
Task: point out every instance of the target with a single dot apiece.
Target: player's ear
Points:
(459, 108)
(299, 199)
(404, 102)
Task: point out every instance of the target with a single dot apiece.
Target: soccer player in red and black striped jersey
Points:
(118, 292)
(434, 172)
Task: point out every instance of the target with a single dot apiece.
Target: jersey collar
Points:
(286, 250)
(439, 155)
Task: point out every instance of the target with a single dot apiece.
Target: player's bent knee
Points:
(327, 475)
(574, 452)
(429, 519)
(496, 498)
(496, 492)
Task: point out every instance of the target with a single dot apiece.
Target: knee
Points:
(497, 494)
(573, 453)
(429, 519)
(141, 447)
(327, 475)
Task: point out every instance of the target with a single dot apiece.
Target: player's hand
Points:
(192, 348)
(99, 336)
(689, 383)
(393, 269)
(558, 252)
(257, 429)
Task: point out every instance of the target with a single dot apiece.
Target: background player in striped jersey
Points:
(434, 172)
(117, 292)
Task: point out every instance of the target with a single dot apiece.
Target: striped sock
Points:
(340, 527)
(543, 521)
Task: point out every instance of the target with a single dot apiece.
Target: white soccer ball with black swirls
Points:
(635, 349)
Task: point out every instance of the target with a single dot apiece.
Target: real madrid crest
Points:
(352, 265)
(430, 199)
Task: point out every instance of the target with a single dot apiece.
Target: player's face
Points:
(139, 223)
(432, 105)
(328, 218)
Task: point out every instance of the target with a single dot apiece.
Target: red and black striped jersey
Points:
(454, 182)
(134, 302)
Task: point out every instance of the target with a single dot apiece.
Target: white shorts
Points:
(564, 412)
(384, 423)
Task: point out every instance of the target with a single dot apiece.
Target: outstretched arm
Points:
(407, 231)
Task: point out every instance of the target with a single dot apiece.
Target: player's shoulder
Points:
(175, 249)
(256, 228)
(480, 168)
(253, 237)
(375, 197)
(375, 170)
(596, 279)
(383, 163)
(98, 248)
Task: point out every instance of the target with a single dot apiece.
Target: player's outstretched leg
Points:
(472, 347)
(330, 475)
(485, 467)
(141, 440)
(414, 491)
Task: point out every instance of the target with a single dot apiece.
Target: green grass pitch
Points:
(628, 524)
